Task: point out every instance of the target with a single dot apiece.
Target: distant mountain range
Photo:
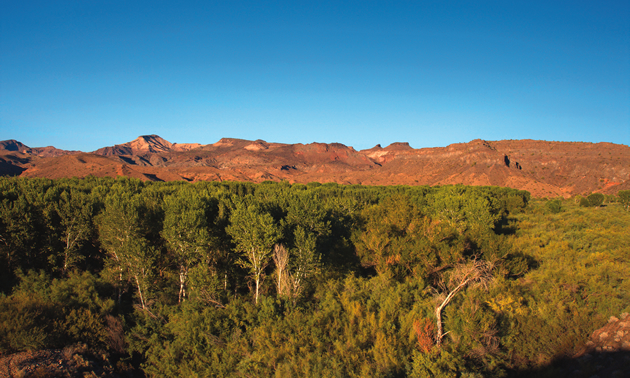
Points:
(546, 169)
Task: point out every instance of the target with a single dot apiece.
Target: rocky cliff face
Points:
(546, 169)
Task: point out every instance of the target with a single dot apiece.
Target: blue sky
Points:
(87, 74)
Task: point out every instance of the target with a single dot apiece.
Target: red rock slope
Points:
(546, 169)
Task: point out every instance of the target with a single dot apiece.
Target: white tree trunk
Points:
(257, 285)
(182, 283)
(140, 292)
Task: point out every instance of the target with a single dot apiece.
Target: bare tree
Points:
(281, 259)
(474, 272)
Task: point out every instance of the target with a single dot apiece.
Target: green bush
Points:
(595, 199)
(554, 206)
(23, 321)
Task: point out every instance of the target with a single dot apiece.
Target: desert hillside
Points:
(546, 169)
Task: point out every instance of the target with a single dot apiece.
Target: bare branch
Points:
(474, 272)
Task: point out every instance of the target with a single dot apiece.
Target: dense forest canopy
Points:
(242, 279)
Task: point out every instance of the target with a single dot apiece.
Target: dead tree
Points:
(475, 272)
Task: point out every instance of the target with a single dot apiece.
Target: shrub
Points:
(554, 206)
(595, 199)
(22, 324)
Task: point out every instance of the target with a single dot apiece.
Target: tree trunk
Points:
(120, 286)
(257, 285)
(140, 292)
(182, 283)
(474, 271)
(438, 311)
(65, 257)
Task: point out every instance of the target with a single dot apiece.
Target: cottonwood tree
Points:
(283, 277)
(122, 235)
(474, 272)
(307, 225)
(186, 232)
(306, 261)
(75, 210)
(255, 233)
(295, 267)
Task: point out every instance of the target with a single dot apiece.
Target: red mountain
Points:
(546, 169)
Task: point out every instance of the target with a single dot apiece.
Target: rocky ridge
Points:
(546, 169)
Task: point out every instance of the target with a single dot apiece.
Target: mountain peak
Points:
(398, 146)
(150, 143)
(142, 144)
(13, 145)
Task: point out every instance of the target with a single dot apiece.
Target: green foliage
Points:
(390, 237)
(580, 281)
(122, 231)
(465, 209)
(364, 271)
(595, 199)
(254, 232)
(22, 323)
(624, 198)
(554, 206)
(44, 312)
(75, 211)
(185, 230)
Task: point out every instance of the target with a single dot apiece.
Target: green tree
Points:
(186, 232)
(305, 261)
(254, 232)
(465, 209)
(75, 211)
(595, 199)
(17, 231)
(390, 232)
(624, 198)
(554, 206)
(122, 235)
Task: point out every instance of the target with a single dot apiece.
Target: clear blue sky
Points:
(87, 74)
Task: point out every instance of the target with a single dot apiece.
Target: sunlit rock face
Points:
(546, 169)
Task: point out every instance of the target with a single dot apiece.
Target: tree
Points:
(283, 278)
(624, 198)
(462, 275)
(595, 199)
(295, 267)
(17, 231)
(121, 232)
(254, 232)
(186, 232)
(305, 261)
(75, 210)
(554, 206)
(391, 230)
(465, 209)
